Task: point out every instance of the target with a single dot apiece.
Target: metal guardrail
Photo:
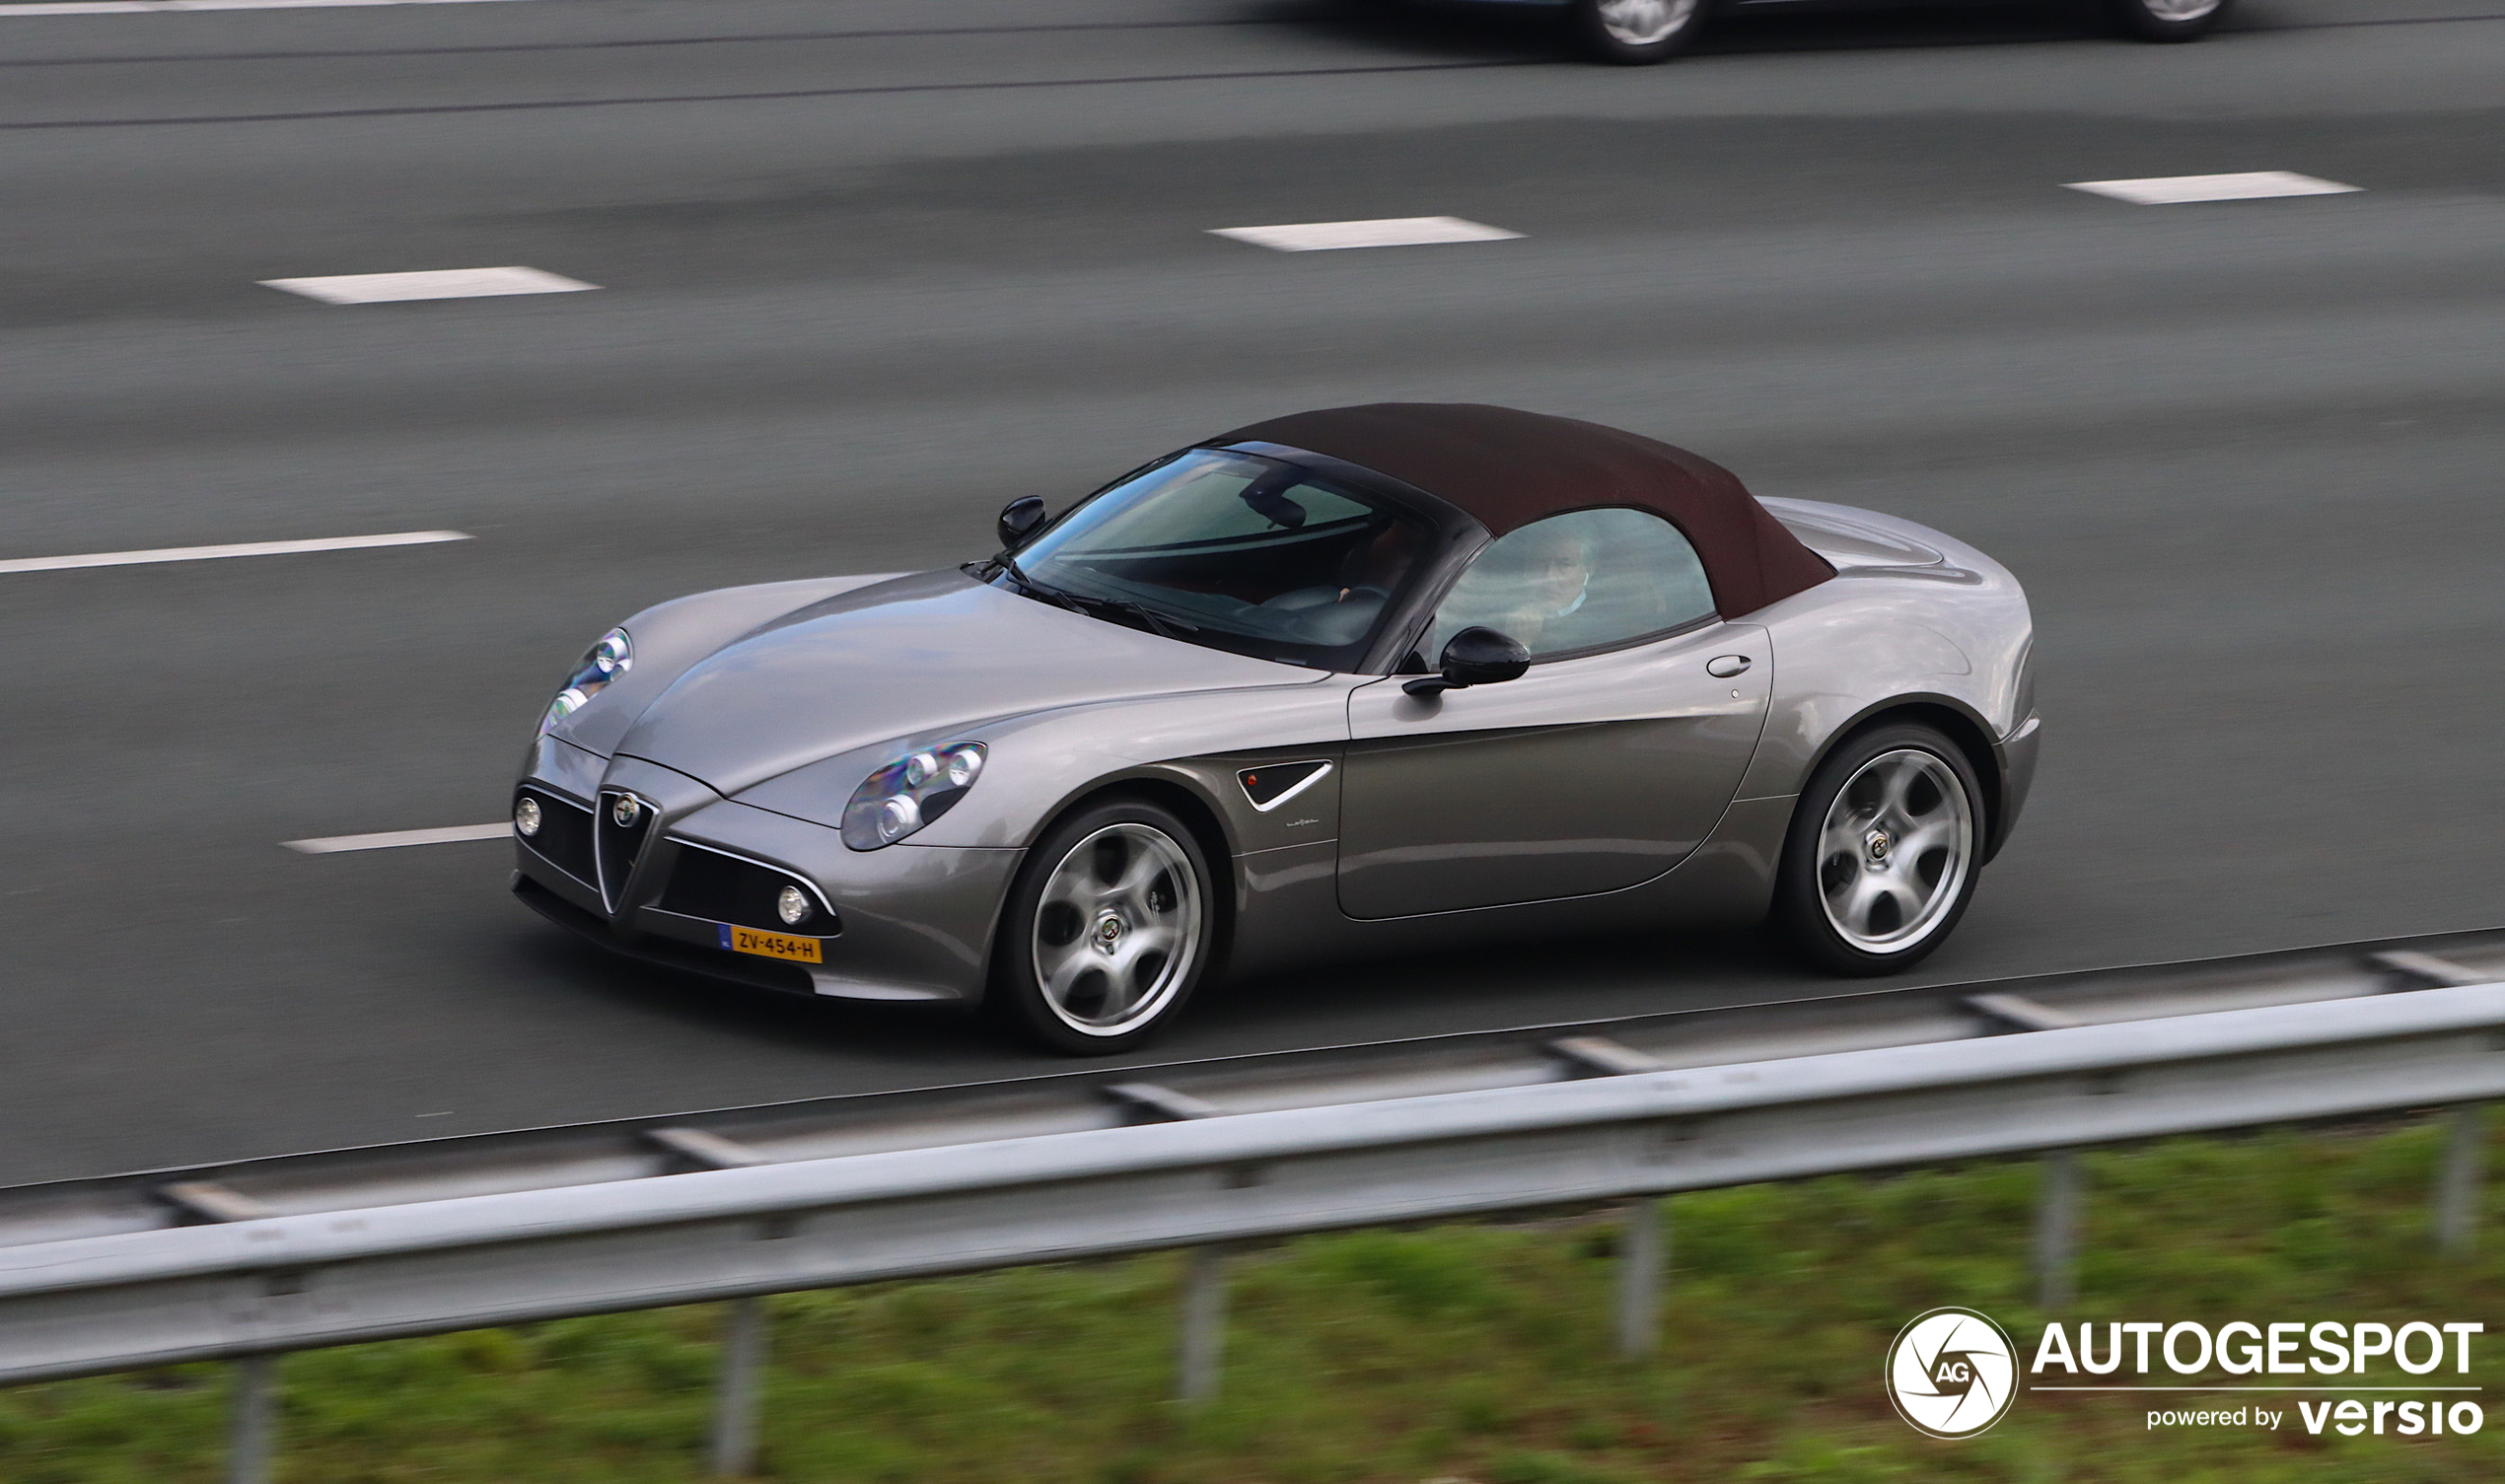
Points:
(1098, 1096)
(268, 1284)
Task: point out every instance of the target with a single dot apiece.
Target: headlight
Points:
(611, 657)
(909, 793)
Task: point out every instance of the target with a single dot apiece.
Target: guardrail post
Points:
(736, 1387)
(1204, 1323)
(2058, 1197)
(248, 1413)
(1641, 1252)
(2457, 1189)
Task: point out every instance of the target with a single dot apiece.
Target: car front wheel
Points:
(1885, 847)
(1110, 926)
(1633, 33)
(2168, 20)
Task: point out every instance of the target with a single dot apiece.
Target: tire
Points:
(1885, 848)
(2168, 20)
(1110, 926)
(1635, 33)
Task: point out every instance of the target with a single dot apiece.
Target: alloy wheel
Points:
(1117, 930)
(1894, 850)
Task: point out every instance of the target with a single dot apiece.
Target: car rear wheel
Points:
(1885, 844)
(2168, 20)
(1108, 929)
(1633, 33)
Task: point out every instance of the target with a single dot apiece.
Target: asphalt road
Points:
(870, 268)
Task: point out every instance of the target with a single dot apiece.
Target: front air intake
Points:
(717, 887)
(565, 839)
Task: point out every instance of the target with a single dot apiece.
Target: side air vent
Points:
(1275, 783)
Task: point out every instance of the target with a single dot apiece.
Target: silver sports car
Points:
(1341, 683)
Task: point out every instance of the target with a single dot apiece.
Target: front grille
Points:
(618, 846)
(565, 839)
(717, 887)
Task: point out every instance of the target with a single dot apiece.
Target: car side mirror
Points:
(1020, 519)
(1475, 657)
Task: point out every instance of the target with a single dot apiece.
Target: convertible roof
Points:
(1509, 469)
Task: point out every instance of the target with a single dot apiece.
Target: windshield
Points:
(1235, 551)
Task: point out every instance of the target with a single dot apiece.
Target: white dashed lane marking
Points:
(143, 7)
(244, 549)
(2250, 186)
(1386, 232)
(393, 839)
(440, 283)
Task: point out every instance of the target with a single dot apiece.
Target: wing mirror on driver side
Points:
(1020, 519)
(1474, 657)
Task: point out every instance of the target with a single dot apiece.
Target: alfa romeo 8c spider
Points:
(1344, 683)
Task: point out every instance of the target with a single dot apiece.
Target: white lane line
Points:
(438, 283)
(392, 839)
(2247, 185)
(1386, 232)
(244, 549)
(143, 7)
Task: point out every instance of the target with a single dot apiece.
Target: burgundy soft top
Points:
(1509, 469)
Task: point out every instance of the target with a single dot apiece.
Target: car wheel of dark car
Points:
(1886, 843)
(1109, 928)
(2168, 20)
(1634, 33)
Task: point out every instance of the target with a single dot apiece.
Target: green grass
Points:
(1459, 1353)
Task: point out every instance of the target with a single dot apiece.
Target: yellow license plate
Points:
(771, 944)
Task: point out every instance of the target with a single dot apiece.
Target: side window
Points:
(1581, 581)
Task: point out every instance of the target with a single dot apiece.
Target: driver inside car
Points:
(1534, 585)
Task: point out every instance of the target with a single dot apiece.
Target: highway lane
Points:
(2246, 456)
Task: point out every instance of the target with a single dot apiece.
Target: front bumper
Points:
(756, 973)
(909, 922)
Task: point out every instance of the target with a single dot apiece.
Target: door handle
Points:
(1724, 666)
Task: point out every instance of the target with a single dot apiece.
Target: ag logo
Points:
(1951, 1372)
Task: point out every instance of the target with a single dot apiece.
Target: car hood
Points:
(933, 652)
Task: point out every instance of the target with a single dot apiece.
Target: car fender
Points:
(1954, 634)
(1038, 764)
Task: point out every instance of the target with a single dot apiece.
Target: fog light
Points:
(792, 905)
(526, 816)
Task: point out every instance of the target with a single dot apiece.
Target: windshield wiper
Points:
(1139, 614)
(1017, 574)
